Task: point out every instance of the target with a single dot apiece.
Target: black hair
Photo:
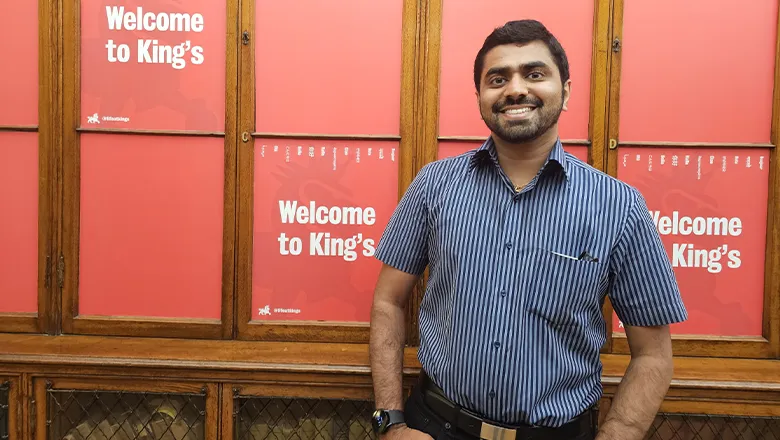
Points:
(522, 32)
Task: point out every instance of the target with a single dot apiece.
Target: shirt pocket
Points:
(563, 290)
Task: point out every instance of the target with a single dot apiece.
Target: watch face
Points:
(379, 421)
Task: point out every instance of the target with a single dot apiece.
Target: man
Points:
(522, 242)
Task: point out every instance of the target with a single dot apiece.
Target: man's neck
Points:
(521, 162)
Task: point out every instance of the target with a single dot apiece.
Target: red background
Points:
(154, 96)
(151, 226)
(466, 24)
(729, 303)
(328, 66)
(703, 72)
(19, 62)
(18, 222)
(323, 288)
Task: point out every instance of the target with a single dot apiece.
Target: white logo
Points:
(265, 311)
(94, 119)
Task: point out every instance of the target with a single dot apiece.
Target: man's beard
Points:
(515, 132)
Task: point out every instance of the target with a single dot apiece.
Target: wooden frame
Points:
(714, 346)
(70, 184)
(311, 331)
(48, 97)
(15, 406)
(43, 385)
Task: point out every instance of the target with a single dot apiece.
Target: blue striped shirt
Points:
(511, 322)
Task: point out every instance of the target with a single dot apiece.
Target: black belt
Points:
(479, 427)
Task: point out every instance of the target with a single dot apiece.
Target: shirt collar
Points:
(486, 153)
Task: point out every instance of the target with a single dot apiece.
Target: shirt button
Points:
(508, 245)
(492, 394)
(503, 293)
(496, 344)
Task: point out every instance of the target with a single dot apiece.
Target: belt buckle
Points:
(492, 432)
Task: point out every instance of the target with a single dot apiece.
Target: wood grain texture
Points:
(707, 346)
(20, 322)
(212, 417)
(600, 83)
(245, 188)
(613, 94)
(236, 358)
(49, 143)
(311, 390)
(139, 131)
(413, 56)
(772, 269)
(39, 403)
(598, 124)
(671, 144)
(232, 138)
(340, 137)
(226, 408)
(69, 199)
(22, 128)
(15, 404)
(126, 384)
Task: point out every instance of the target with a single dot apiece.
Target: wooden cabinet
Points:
(192, 193)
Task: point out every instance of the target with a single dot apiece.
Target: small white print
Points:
(288, 311)
(264, 311)
(95, 119)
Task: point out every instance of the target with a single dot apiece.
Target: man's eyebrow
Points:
(504, 70)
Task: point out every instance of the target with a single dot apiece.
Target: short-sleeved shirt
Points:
(511, 321)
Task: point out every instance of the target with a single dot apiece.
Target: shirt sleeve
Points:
(644, 291)
(404, 243)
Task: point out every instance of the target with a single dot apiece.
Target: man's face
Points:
(521, 96)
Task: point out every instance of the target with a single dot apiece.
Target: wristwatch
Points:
(383, 419)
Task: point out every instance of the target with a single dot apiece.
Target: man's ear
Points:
(566, 94)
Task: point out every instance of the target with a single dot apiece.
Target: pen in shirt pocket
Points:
(584, 256)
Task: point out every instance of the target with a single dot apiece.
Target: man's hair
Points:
(522, 32)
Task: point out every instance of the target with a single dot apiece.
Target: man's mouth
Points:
(518, 112)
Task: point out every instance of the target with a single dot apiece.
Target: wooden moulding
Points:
(309, 331)
(239, 360)
(768, 345)
(48, 141)
(68, 182)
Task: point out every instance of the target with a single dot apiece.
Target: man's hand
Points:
(642, 390)
(403, 432)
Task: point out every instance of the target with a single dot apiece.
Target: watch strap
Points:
(395, 417)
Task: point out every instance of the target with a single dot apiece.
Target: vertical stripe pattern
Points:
(511, 322)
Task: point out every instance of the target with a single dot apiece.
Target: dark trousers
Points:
(420, 417)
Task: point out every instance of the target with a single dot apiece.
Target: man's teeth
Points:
(518, 111)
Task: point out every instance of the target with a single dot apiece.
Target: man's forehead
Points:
(516, 55)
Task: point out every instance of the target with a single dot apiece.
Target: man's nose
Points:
(517, 87)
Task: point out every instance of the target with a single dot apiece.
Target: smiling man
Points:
(523, 242)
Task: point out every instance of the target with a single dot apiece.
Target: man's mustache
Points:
(525, 100)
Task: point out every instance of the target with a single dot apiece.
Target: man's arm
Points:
(644, 385)
(388, 332)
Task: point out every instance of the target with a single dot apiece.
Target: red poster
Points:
(151, 226)
(18, 222)
(679, 80)
(19, 62)
(320, 209)
(153, 64)
(466, 24)
(449, 149)
(328, 66)
(713, 230)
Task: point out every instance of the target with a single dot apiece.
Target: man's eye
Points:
(536, 75)
(497, 81)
